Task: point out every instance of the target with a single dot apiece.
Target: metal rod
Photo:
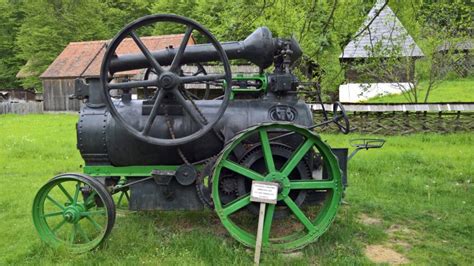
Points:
(354, 153)
(309, 128)
(119, 188)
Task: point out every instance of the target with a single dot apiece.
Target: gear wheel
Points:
(228, 185)
(254, 160)
(204, 183)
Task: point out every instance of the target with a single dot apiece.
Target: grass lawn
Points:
(413, 197)
(460, 90)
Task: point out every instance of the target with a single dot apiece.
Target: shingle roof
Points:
(83, 59)
(386, 30)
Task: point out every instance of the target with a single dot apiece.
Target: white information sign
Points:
(266, 192)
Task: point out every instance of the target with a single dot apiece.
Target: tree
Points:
(388, 63)
(10, 64)
(443, 26)
(49, 25)
(118, 13)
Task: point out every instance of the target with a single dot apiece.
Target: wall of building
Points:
(356, 71)
(56, 95)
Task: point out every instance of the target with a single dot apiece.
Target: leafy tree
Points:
(37, 31)
(118, 13)
(10, 64)
(432, 25)
(49, 25)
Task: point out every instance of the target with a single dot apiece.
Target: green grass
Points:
(459, 90)
(420, 183)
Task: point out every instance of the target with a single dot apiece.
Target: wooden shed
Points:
(83, 60)
(15, 95)
(381, 36)
(462, 59)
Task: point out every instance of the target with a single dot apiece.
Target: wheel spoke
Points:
(296, 157)
(73, 234)
(65, 192)
(55, 202)
(124, 193)
(96, 225)
(242, 170)
(89, 213)
(184, 42)
(268, 223)
(313, 184)
(210, 77)
(191, 95)
(51, 214)
(146, 52)
(267, 150)
(90, 198)
(81, 232)
(299, 214)
(131, 84)
(127, 196)
(236, 205)
(153, 113)
(59, 225)
(76, 193)
(120, 199)
(193, 113)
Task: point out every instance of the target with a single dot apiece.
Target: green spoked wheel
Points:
(73, 211)
(305, 221)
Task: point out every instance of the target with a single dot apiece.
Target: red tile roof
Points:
(83, 59)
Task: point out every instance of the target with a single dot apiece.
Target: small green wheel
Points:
(306, 220)
(73, 211)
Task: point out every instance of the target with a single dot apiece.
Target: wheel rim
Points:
(312, 227)
(74, 212)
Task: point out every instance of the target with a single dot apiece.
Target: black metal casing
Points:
(102, 141)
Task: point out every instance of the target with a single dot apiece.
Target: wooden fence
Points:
(385, 119)
(21, 107)
(392, 119)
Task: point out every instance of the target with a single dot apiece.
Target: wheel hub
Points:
(72, 214)
(168, 80)
(283, 183)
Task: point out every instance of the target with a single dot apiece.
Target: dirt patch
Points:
(396, 229)
(383, 254)
(400, 235)
(293, 255)
(367, 220)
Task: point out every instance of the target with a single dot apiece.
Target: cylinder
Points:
(103, 141)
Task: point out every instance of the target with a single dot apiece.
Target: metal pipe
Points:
(258, 48)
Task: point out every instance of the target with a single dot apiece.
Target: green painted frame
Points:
(263, 78)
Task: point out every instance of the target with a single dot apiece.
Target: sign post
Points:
(263, 192)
